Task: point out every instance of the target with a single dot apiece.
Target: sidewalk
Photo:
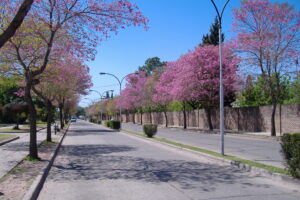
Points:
(266, 151)
(228, 132)
(12, 153)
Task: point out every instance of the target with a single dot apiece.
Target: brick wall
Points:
(252, 119)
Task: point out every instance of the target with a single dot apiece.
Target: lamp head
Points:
(102, 73)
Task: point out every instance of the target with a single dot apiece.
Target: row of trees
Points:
(267, 45)
(50, 47)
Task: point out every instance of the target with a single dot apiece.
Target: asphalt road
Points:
(266, 151)
(95, 163)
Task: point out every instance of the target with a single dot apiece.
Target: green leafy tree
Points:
(294, 91)
(16, 112)
(80, 111)
(255, 93)
(152, 65)
(213, 37)
(8, 88)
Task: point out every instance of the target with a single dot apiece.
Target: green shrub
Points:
(107, 123)
(114, 124)
(93, 120)
(150, 129)
(290, 148)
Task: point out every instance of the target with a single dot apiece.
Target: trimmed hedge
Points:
(114, 124)
(106, 123)
(290, 148)
(93, 120)
(150, 129)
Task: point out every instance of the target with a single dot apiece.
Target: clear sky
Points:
(175, 27)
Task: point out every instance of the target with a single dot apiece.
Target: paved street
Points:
(261, 150)
(96, 163)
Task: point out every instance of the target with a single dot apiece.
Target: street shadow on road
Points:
(98, 163)
(19, 146)
(90, 132)
(86, 151)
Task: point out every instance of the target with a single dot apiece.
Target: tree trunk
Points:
(33, 151)
(66, 116)
(273, 127)
(208, 116)
(62, 125)
(184, 116)
(141, 117)
(16, 127)
(133, 118)
(150, 118)
(166, 118)
(49, 120)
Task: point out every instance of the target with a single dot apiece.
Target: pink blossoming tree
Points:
(194, 78)
(63, 80)
(133, 96)
(75, 25)
(162, 94)
(12, 25)
(269, 40)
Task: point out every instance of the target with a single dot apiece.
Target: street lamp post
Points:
(120, 87)
(101, 97)
(221, 74)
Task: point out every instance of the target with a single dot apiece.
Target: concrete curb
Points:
(37, 185)
(287, 180)
(9, 140)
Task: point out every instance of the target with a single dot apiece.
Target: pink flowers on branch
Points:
(194, 78)
(53, 27)
(133, 96)
(269, 38)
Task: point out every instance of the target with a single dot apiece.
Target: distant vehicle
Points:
(73, 119)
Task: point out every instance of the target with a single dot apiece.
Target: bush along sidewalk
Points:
(290, 148)
(114, 124)
(150, 129)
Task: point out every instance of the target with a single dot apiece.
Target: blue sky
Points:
(175, 26)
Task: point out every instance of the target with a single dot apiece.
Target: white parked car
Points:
(73, 119)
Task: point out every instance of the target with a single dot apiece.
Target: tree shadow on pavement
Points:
(97, 163)
(90, 132)
(19, 146)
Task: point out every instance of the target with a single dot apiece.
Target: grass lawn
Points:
(39, 125)
(4, 125)
(4, 137)
(10, 130)
(24, 128)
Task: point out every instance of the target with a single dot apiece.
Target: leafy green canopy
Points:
(255, 92)
(213, 37)
(152, 65)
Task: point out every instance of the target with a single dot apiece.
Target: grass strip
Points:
(227, 157)
(4, 137)
(9, 130)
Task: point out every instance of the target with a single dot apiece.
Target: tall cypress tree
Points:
(213, 37)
